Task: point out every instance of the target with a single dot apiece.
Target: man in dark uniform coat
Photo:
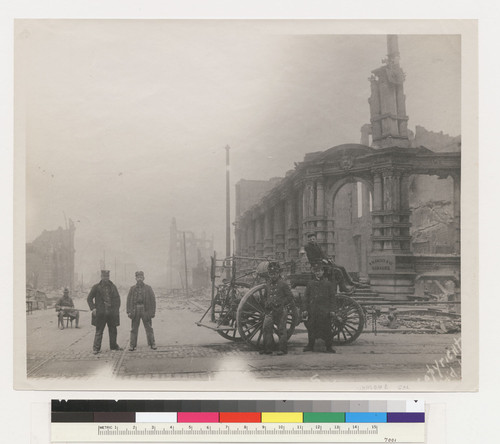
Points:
(318, 305)
(141, 304)
(104, 302)
(64, 307)
(316, 255)
(277, 296)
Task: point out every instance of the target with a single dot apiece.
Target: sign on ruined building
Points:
(381, 264)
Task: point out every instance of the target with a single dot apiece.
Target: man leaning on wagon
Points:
(276, 300)
(104, 302)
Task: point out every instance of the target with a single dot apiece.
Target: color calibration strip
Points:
(237, 421)
(239, 417)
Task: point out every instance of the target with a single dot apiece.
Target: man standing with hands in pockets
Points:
(318, 307)
(104, 302)
(141, 304)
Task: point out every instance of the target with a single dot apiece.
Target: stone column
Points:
(391, 265)
(243, 237)
(308, 208)
(391, 207)
(405, 192)
(268, 232)
(321, 220)
(237, 240)
(401, 105)
(388, 107)
(300, 217)
(396, 190)
(396, 206)
(279, 230)
(388, 188)
(292, 227)
(259, 236)
(377, 192)
(251, 238)
(308, 200)
(405, 211)
(320, 198)
(374, 102)
(311, 209)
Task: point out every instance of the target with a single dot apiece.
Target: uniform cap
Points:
(139, 273)
(316, 267)
(66, 291)
(311, 234)
(274, 267)
(104, 273)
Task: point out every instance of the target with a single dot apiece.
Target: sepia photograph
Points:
(245, 205)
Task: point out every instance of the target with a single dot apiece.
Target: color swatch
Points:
(193, 411)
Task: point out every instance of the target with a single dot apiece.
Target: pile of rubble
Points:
(421, 322)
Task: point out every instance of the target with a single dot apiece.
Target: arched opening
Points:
(432, 221)
(352, 205)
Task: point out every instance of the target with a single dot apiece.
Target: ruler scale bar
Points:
(210, 432)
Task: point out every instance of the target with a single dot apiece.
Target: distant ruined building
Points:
(50, 259)
(198, 252)
(387, 209)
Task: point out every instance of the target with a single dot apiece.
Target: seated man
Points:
(64, 307)
(316, 255)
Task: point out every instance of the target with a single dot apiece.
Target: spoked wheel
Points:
(348, 322)
(250, 317)
(225, 307)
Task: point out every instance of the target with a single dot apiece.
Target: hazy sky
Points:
(126, 121)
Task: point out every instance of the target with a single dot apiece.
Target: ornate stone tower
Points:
(387, 101)
(390, 265)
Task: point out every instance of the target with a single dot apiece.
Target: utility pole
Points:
(228, 213)
(228, 206)
(185, 264)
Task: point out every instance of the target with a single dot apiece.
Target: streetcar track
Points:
(53, 355)
(116, 366)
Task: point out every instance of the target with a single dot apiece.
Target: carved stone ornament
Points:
(346, 163)
(395, 74)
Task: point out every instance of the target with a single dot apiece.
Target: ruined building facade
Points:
(50, 259)
(388, 208)
(198, 250)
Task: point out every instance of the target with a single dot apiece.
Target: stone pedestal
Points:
(391, 266)
(392, 276)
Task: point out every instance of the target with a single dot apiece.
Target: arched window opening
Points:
(352, 227)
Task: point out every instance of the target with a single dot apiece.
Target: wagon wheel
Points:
(347, 324)
(250, 316)
(225, 306)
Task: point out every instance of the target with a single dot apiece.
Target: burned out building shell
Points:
(389, 211)
(50, 259)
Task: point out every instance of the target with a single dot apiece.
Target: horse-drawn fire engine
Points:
(236, 311)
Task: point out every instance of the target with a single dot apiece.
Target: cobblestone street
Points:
(186, 351)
